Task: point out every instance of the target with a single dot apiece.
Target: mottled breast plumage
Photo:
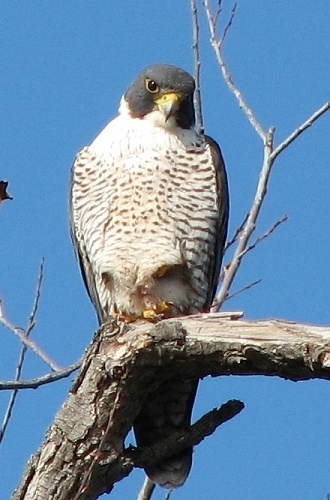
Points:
(154, 204)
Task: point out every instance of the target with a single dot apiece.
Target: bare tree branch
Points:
(244, 289)
(269, 155)
(261, 238)
(125, 363)
(19, 367)
(34, 383)
(237, 232)
(179, 441)
(250, 222)
(35, 306)
(217, 47)
(229, 23)
(299, 130)
(22, 335)
(197, 66)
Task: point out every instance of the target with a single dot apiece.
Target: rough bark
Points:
(83, 453)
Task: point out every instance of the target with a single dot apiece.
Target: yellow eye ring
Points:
(151, 86)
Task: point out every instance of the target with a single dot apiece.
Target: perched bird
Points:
(149, 210)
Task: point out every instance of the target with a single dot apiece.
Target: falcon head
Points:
(165, 89)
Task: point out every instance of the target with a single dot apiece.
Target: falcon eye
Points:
(151, 86)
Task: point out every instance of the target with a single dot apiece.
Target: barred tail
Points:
(166, 411)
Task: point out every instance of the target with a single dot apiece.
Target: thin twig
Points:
(34, 383)
(241, 290)
(32, 320)
(18, 372)
(237, 232)
(228, 25)
(217, 47)
(218, 12)
(21, 334)
(280, 221)
(299, 130)
(197, 68)
(9, 409)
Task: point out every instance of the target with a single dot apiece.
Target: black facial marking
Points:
(141, 96)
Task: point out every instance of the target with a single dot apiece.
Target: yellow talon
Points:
(160, 309)
(163, 307)
(149, 314)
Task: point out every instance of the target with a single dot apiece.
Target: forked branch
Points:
(269, 154)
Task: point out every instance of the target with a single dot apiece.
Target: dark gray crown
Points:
(168, 78)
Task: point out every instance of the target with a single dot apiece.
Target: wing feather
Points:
(222, 223)
(86, 269)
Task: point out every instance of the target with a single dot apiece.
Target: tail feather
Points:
(166, 411)
(173, 472)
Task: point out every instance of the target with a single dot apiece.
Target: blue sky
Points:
(63, 68)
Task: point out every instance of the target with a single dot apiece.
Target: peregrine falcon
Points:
(148, 214)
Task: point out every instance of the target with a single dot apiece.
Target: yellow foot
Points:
(158, 312)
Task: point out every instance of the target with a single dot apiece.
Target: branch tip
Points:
(197, 68)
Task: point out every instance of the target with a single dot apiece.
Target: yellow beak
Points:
(168, 104)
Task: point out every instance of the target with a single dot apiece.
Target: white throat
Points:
(125, 133)
(156, 117)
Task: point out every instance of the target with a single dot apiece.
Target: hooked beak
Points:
(168, 104)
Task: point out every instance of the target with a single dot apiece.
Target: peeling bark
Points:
(83, 453)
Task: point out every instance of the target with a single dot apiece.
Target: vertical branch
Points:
(197, 68)
(18, 372)
(251, 220)
(217, 47)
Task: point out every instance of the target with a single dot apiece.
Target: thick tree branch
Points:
(179, 441)
(125, 363)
